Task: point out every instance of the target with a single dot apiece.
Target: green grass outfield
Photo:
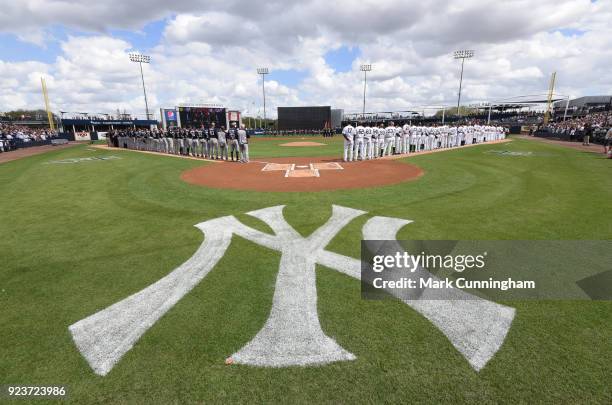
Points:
(75, 238)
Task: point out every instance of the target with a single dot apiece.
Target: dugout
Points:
(74, 126)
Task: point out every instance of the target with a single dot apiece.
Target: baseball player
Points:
(389, 139)
(213, 143)
(169, 142)
(375, 147)
(431, 139)
(222, 143)
(398, 140)
(232, 142)
(406, 138)
(194, 146)
(368, 142)
(347, 133)
(181, 142)
(381, 139)
(243, 141)
(413, 139)
(359, 142)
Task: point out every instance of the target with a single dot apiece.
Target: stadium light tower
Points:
(263, 72)
(463, 55)
(140, 59)
(365, 69)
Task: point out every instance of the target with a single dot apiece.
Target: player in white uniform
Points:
(368, 142)
(347, 133)
(381, 140)
(431, 139)
(413, 139)
(406, 138)
(359, 142)
(375, 147)
(389, 139)
(398, 140)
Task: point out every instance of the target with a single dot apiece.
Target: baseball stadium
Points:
(210, 252)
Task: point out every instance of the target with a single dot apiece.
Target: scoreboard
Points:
(196, 117)
(317, 117)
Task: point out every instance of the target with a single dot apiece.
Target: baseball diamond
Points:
(244, 202)
(270, 282)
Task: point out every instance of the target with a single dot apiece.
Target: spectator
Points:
(15, 136)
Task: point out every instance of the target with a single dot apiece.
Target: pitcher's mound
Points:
(305, 143)
(302, 174)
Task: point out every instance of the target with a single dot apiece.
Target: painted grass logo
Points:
(292, 334)
(83, 159)
(509, 153)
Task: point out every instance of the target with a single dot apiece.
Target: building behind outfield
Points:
(315, 117)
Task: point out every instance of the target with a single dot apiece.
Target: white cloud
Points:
(209, 52)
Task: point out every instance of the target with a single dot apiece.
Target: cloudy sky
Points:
(208, 51)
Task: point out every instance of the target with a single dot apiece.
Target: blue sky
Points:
(341, 59)
(144, 39)
(15, 50)
(289, 77)
(570, 32)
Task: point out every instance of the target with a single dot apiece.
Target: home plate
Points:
(302, 173)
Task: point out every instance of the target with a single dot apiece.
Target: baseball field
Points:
(84, 228)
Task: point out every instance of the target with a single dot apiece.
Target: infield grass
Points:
(75, 238)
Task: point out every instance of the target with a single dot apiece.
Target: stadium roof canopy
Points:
(528, 99)
(590, 101)
(510, 106)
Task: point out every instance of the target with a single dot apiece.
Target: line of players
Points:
(209, 143)
(364, 142)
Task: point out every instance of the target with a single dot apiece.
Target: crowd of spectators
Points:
(16, 136)
(588, 128)
(593, 127)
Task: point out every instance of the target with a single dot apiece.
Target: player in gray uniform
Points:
(194, 143)
(170, 141)
(181, 143)
(222, 143)
(213, 142)
(232, 142)
(243, 141)
(204, 141)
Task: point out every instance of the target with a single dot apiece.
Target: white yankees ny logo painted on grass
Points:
(292, 335)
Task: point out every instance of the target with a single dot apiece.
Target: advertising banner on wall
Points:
(82, 136)
(234, 118)
(169, 117)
